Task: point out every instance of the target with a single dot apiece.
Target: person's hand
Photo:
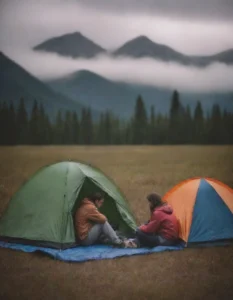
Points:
(146, 223)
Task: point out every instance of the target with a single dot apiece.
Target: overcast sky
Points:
(192, 27)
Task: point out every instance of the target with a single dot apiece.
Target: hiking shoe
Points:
(126, 244)
(132, 244)
(121, 244)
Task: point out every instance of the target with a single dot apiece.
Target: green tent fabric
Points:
(42, 210)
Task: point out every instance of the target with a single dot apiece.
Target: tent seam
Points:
(64, 198)
(193, 209)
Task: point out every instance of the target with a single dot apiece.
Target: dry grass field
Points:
(205, 273)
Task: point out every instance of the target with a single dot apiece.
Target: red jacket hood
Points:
(162, 222)
(165, 208)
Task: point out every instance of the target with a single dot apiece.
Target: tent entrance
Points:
(109, 208)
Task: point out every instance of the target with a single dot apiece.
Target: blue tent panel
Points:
(212, 219)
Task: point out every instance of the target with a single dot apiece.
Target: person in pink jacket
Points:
(161, 229)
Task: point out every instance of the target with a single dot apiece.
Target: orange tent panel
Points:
(182, 199)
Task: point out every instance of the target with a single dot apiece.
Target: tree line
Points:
(179, 126)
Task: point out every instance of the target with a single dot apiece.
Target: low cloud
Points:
(216, 77)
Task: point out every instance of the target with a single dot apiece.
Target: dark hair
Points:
(155, 199)
(95, 197)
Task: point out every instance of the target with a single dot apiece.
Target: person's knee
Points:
(106, 223)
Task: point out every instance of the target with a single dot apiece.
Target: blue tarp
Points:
(97, 252)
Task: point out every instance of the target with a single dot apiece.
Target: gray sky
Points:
(192, 27)
(185, 9)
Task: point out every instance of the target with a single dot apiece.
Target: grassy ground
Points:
(188, 274)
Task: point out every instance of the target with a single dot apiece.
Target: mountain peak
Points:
(142, 38)
(72, 44)
(76, 34)
(80, 77)
(83, 73)
(86, 75)
(142, 46)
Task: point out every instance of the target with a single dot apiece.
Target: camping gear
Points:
(95, 252)
(41, 212)
(204, 208)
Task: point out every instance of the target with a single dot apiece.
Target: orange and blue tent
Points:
(204, 208)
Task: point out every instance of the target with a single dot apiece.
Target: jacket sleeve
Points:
(95, 216)
(152, 226)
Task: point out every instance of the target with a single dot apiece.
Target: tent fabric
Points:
(182, 199)
(96, 252)
(42, 210)
(203, 207)
(224, 191)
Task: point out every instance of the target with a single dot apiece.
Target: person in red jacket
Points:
(161, 229)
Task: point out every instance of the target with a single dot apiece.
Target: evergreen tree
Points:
(117, 131)
(162, 123)
(22, 124)
(153, 133)
(215, 133)
(45, 127)
(58, 129)
(89, 128)
(100, 131)
(129, 131)
(68, 129)
(82, 126)
(42, 126)
(48, 137)
(1, 123)
(176, 124)
(199, 125)
(75, 129)
(12, 129)
(86, 127)
(140, 126)
(5, 124)
(188, 126)
(108, 128)
(228, 127)
(34, 125)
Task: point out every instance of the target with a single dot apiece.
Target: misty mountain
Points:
(223, 57)
(142, 47)
(103, 94)
(76, 45)
(17, 82)
(72, 45)
(96, 91)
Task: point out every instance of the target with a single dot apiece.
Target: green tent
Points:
(42, 211)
